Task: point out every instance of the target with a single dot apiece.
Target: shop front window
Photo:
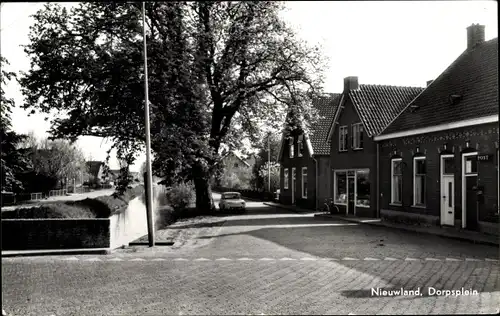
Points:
(341, 187)
(363, 188)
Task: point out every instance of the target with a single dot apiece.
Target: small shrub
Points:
(180, 196)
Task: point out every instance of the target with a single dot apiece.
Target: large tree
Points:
(216, 71)
(13, 158)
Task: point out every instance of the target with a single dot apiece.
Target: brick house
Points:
(237, 170)
(439, 157)
(304, 159)
(364, 111)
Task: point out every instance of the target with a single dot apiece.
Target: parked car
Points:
(232, 200)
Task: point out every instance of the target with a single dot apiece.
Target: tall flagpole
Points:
(149, 177)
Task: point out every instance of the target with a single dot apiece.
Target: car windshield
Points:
(231, 196)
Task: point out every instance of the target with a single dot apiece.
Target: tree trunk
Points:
(204, 200)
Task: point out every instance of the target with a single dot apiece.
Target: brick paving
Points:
(217, 268)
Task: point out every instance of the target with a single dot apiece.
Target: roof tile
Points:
(473, 75)
(327, 107)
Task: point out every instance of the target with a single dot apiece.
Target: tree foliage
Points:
(216, 70)
(13, 158)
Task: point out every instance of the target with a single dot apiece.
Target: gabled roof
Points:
(378, 105)
(317, 142)
(472, 77)
(232, 152)
(327, 107)
(94, 166)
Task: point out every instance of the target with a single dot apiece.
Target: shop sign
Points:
(485, 157)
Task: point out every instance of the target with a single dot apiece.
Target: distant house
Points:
(439, 158)
(364, 111)
(96, 174)
(305, 159)
(237, 170)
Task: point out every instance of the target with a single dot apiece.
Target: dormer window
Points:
(290, 146)
(455, 98)
(300, 144)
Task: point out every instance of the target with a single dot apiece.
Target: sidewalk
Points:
(475, 237)
(56, 252)
(290, 207)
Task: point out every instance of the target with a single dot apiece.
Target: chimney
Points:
(429, 82)
(475, 35)
(350, 83)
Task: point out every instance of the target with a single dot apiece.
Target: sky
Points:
(388, 42)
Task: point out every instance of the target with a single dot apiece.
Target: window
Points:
(300, 149)
(304, 182)
(357, 136)
(419, 171)
(396, 181)
(340, 187)
(290, 145)
(471, 164)
(363, 188)
(285, 178)
(343, 138)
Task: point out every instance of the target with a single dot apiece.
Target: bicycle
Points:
(330, 207)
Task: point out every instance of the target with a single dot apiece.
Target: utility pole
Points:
(269, 162)
(149, 177)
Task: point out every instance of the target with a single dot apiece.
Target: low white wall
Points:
(131, 224)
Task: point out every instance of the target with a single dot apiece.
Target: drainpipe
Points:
(316, 183)
(378, 180)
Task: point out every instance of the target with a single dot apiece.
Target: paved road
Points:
(268, 261)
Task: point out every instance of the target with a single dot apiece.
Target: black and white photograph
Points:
(250, 158)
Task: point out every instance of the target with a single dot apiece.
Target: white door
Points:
(447, 201)
(293, 186)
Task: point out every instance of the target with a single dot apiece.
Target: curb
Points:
(410, 229)
(56, 252)
(146, 243)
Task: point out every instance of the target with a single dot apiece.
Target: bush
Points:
(180, 196)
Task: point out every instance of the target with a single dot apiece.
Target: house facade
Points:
(365, 110)
(439, 158)
(305, 159)
(237, 171)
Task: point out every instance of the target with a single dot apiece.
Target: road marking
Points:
(411, 259)
(371, 259)
(137, 259)
(329, 259)
(158, 259)
(453, 259)
(245, 259)
(493, 260)
(266, 259)
(308, 259)
(390, 259)
(287, 259)
(71, 259)
(115, 259)
(202, 259)
(92, 259)
(432, 259)
(180, 259)
(349, 259)
(472, 259)
(223, 259)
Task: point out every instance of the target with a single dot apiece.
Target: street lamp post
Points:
(269, 162)
(149, 177)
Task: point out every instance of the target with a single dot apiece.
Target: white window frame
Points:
(393, 161)
(415, 159)
(300, 146)
(356, 188)
(357, 129)
(335, 186)
(304, 169)
(285, 179)
(291, 147)
(343, 139)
